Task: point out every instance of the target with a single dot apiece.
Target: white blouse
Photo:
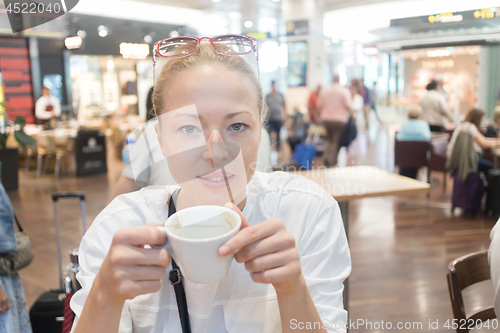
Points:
(236, 303)
(494, 259)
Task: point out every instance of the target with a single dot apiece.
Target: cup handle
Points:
(167, 246)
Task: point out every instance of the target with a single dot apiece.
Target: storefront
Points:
(111, 72)
(106, 85)
(456, 68)
(454, 48)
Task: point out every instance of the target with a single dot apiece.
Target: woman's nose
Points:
(217, 151)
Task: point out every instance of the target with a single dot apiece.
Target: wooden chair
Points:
(464, 272)
(411, 154)
(65, 149)
(45, 147)
(437, 160)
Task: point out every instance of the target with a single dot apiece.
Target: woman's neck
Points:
(184, 200)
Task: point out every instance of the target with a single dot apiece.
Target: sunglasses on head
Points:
(182, 46)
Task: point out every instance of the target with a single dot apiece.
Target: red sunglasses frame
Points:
(156, 47)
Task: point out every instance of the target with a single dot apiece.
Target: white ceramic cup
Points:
(195, 247)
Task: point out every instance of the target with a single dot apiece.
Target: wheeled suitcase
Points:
(493, 193)
(47, 313)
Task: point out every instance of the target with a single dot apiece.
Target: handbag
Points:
(10, 263)
(175, 277)
(349, 134)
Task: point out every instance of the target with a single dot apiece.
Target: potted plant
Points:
(9, 157)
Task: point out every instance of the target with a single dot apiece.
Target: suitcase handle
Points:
(56, 196)
(55, 199)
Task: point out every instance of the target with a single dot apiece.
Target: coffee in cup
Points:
(194, 237)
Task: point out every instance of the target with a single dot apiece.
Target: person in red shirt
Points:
(312, 105)
(335, 108)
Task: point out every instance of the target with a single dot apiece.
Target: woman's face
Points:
(210, 133)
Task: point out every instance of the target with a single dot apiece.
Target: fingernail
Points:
(229, 205)
(223, 250)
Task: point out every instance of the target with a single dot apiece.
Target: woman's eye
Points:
(238, 127)
(189, 129)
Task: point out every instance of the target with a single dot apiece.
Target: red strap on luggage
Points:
(69, 315)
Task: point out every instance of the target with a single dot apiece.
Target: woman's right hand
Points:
(129, 269)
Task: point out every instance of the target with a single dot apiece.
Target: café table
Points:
(345, 184)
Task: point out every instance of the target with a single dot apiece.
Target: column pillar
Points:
(310, 11)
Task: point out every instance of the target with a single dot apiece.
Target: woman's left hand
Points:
(268, 251)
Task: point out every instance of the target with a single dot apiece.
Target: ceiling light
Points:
(347, 43)
(234, 15)
(81, 33)
(102, 30)
(73, 42)
(248, 24)
(370, 50)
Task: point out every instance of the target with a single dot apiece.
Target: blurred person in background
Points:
(413, 130)
(441, 90)
(494, 259)
(372, 101)
(471, 124)
(365, 93)
(276, 104)
(47, 107)
(335, 107)
(498, 98)
(312, 105)
(357, 99)
(435, 108)
(494, 127)
(14, 317)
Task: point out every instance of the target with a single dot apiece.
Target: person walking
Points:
(276, 104)
(435, 108)
(335, 107)
(365, 93)
(372, 101)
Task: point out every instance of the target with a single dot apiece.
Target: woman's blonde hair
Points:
(204, 55)
(475, 116)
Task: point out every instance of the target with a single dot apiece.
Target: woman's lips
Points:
(215, 181)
